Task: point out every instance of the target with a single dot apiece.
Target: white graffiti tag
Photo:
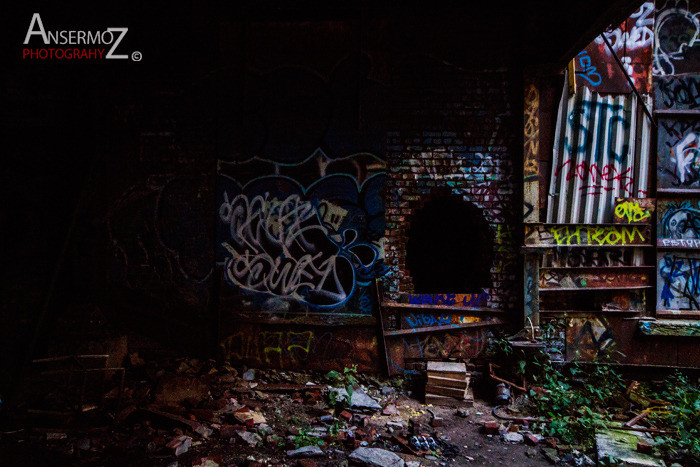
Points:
(638, 37)
(281, 247)
(686, 157)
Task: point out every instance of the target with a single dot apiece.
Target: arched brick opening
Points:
(449, 248)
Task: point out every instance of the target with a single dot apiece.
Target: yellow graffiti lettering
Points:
(631, 211)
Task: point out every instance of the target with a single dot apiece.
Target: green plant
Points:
(683, 415)
(345, 380)
(305, 439)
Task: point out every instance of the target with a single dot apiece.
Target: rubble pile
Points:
(194, 412)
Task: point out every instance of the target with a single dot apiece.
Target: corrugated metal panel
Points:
(601, 152)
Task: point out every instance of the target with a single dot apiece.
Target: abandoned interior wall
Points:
(246, 203)
(595, 270)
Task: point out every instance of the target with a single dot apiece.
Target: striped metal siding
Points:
(601, 151)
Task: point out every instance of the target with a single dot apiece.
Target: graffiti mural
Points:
(531, 205)
(633, 211)
(261, 346)
(678, 153)
(318, 245)
(591, 279)
(159, 237)
(588, 257)
(588, 338)
(677, 37)
(599, 235)
(421, 320)
(678, 220)
(467, 300)
(597, 157)
(677, 92)
(678, 281)
(632, 42)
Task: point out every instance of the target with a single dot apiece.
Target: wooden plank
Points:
(443, 367)
(450, 401)
(459, 393)
(403, 332)
(462, 383)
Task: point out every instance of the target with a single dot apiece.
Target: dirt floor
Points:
(191, 413)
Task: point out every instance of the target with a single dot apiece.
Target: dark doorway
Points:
(450, 247)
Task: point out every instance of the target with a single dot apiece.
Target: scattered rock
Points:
(180, 444)
(531, 452)
(204, 431)
(462, 412)
(436, 422)
(306, 451)
(388, 390)
(513, 437)
(251, 438)
(551, 455)
(249, 375)
(376, 457)
(390, 409)
(358, 400)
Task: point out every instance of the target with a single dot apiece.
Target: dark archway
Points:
(449, 248)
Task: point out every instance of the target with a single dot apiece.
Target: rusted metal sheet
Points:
(678, 223)
(601, 152)
(589, 337)
(312, 348)
(678, 281)
(404, 349)
(586, 235)
(633, 210)
(632, 43)
(593, 278)
(531, 138)
(587, 257)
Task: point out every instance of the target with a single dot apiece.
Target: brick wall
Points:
(455, 136)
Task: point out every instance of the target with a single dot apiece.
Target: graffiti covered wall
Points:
(469, 160)
(676, 64)
(291, 246)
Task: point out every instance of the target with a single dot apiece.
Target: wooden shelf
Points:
(593, 268)
(562, 312)
(677, 113)
(585, 289)
(416, 306)
(678, 191)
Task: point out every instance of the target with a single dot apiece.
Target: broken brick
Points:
(645, 448)
(346, 415)
(436, 422)
(491, 427)
(531, 439)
